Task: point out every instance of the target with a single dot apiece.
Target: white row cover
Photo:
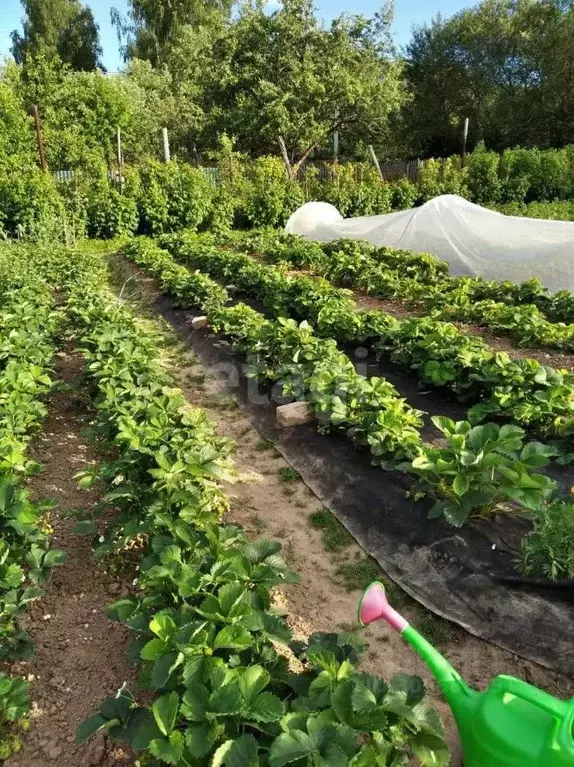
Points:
(474, 240)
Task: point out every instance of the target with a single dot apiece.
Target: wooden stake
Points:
(119, 149)
(285, 156)
(464, 139)
(40, 140)
(166, 154)
(375, 161)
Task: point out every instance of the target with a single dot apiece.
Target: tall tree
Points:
(502, 64)
(285, 74)
(62, 27)
(152, 27)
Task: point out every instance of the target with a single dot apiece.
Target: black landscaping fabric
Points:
(466, 575)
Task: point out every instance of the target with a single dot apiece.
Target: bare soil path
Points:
(80, 655)
(269, 504)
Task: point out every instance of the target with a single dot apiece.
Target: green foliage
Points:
(483, 470)
(14, 709)
(270, 197)
(335, 535)
(206, 634)
(500, 64)
(62, 27)
(548, 551)
(172, 196)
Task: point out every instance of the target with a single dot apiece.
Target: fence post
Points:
(464, 139)
(166, 153)
(39, 138)
(375, 161)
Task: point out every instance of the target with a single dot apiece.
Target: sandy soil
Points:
(267, 506)
(80, 655)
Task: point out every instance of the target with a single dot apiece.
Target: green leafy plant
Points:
(548, 550)
(483, 470)
(14, 709)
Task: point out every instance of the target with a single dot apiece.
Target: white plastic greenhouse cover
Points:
(474, 240)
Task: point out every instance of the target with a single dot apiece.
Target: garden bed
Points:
(455, 573)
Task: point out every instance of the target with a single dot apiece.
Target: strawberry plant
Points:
(205, 632)
(14, 709)
(483, 470)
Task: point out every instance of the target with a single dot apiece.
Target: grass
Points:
(289, 474)
(257, 523)
(264, 444)
(356, 576)
(335, 536)
(436, 630)
(289, 491)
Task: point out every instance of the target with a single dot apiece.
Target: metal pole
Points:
(39, 138)
(464, 140)
(166, 154)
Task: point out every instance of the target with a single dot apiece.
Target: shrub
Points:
(30, 206)
(403, 195)
(172, 196)
(483, 180)
(270, 197)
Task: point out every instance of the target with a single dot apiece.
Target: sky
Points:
(407, 13)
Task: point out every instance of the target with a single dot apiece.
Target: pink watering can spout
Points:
(374, 607)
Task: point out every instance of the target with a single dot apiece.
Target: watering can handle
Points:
(539, 698)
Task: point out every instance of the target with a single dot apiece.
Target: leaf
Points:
(153, 650)
(198, 668)
(233, 637)
(163, 668)
(461, 484)
(535, 454)
(169, 749)
(242, 752)
(225, 700)
(194, 703)
(411, 686)
(444, 424)
(289, 747)
(430, 749)
(266, 707)
(200, 738)
(165, 711)
(253, 681)
(90, 726)
(163, 626)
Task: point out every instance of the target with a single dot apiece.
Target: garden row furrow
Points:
(29, 325)
(532, 395)
(207, 636)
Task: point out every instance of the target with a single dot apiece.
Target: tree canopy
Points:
(62, 27)
(508, 65)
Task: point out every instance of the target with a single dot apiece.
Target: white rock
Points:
(199, 322)
(293, 414)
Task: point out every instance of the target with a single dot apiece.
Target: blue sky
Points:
(407, 13)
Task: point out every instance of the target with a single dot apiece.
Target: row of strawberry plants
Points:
(524, 390)
(526, 312)
(307, 366)
(207, 637)
(29, 324)
(487, 470)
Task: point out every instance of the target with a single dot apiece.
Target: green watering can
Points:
(511, 724)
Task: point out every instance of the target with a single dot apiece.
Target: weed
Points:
(436, 630)
(264, 444)
(356, 576)
(257, 523)
(335, 536)
(289, 491)
(289, 474)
